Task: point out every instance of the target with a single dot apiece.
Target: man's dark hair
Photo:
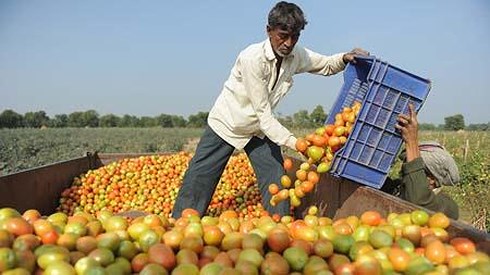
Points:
(287, 16)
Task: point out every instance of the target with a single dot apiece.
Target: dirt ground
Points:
(191, 145)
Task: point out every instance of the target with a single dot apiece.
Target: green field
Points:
(22, 149)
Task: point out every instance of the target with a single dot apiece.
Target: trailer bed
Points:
(40, 188)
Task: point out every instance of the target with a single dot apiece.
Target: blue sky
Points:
(145, 58)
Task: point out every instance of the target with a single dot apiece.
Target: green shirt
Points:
(413, 187)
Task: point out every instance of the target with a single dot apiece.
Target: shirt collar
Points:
(269, 52)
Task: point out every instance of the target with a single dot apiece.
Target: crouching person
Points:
(426, 167)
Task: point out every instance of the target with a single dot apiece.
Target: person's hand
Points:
(408, 126)
(350, 56)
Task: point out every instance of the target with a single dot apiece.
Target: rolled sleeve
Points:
(316, 63)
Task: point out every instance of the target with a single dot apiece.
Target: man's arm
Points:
(415, 185)
(316, 63)
(409, 127)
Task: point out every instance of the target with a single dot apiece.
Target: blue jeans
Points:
(209, 161)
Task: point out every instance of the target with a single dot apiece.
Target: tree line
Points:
(91, 118)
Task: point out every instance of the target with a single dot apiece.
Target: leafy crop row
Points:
(22, 149)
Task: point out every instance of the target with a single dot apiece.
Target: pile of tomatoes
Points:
(318, 148)
(401, 243)
(151, 184)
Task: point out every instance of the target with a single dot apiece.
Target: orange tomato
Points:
(296, 226)
(189, 212)
(463, 245)
(227, 215)
(436, 252)
(338, 116)
(339, 131)
(318, 140)
(42, 226)
(309, 137)
(288, 164)
(18, 226)
(283, 194)
(399, 258)
(31, 215)
(50, 237)
(333, 141)
(307, 186)
(450, 252)
(139, 262)
(301, 175)
(427, 239)
(213, 235)
(301, 145)
(273, 188)
(329, 129)
(298, 192)
(342, 228)
(338, 123)
(350, 117)
(313, 177)
(439, 220)
(371, 217)
(346, 268)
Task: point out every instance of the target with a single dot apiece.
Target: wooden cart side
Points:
(40, 188)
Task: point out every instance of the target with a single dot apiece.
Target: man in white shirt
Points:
(242, 116)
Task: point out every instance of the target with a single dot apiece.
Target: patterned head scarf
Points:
(439, 163)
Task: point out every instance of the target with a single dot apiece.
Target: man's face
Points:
(282, 41)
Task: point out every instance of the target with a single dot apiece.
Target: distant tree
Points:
(11, 119)
(454, 123)
(317, 116)
(178, 121)
(199, 120)
(479, 127)
(165, 121)
(75, 119)
(109, 120)
(128, 121)
(90, 118)
(147, 121)
(35, 119)
(427, 127)
(301, 119)
(59, 121)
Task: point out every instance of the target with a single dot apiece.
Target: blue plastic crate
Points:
(384, 92)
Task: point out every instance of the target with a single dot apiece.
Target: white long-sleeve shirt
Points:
(245, 106)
